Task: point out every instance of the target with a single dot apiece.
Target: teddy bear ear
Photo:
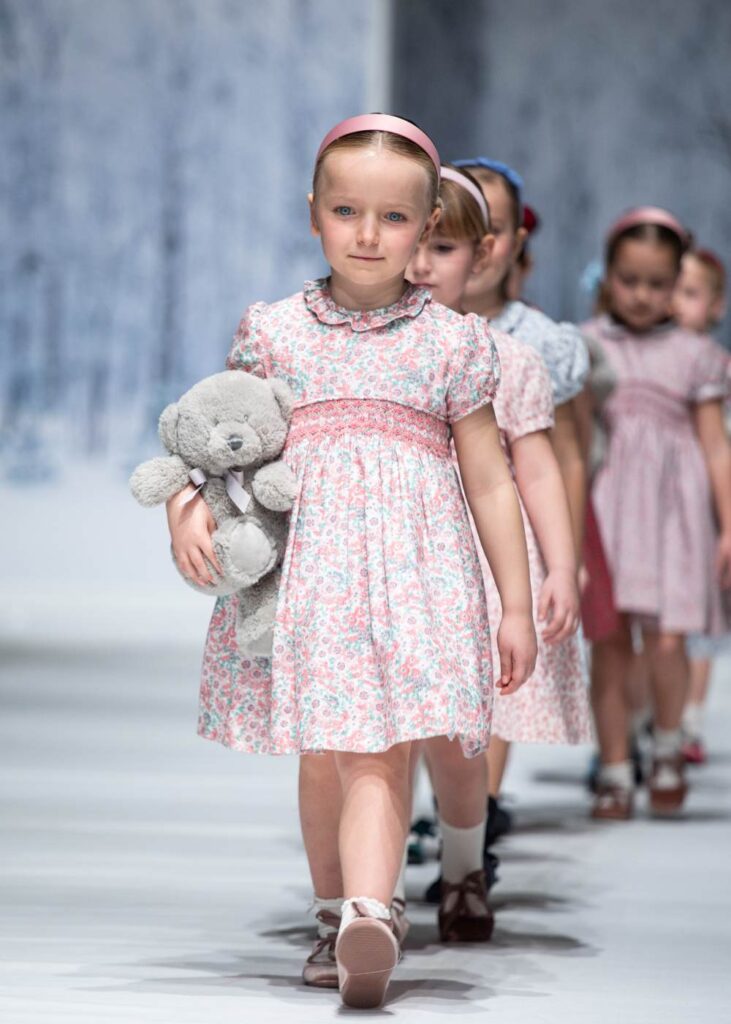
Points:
(283, 394)
(168, 425)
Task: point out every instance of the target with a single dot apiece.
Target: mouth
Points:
(422, 284)
(368, 259)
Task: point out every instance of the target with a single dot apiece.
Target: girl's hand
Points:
(558, 605)
(516, 641)
(191, 526)
(723, 560)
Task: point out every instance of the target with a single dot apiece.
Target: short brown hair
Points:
(715, 270)
(490, 177)
(461, 217)
(392, 143)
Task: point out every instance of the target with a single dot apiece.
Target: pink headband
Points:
(382, 123)
(460, 179)
(648, 215)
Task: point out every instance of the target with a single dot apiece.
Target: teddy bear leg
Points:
(257, 607)
(275, 486)
(244, 551)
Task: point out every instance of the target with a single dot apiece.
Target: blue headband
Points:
(499, 167)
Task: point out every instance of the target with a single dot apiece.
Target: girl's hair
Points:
(489, 177)
(715, 270)
(461, 217)
(392, 144)
(655, 233)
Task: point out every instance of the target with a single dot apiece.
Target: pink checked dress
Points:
(381, 633)
(553, 705)
(652, 494)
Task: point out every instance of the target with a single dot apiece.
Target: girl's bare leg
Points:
(374, 820)
(320, 804)
(497, 762)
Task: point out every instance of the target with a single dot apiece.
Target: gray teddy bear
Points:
(225, 435)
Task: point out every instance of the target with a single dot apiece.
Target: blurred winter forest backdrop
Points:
(156, 155)
(154, 161)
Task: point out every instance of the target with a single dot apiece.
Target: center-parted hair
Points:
(390, 143)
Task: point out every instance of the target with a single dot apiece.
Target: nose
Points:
(235, 442)
(368, 231)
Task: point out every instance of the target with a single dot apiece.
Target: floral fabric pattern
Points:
(553, 705)
(382, 632)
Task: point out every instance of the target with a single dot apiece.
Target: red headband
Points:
(383, 123)
(648, 215)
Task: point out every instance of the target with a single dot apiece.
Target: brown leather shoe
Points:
(612, 803)
(464, 913)
(366, 952)
(668, 787)
(321, 970)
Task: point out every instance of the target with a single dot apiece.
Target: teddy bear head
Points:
(230, 420)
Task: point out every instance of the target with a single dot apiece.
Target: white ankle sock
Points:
(335, 906)
(399, 893)
(462, 851)
(667, 742)
(693, 720)
(373, 908)
(619, 775)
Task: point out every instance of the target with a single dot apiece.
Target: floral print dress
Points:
(381, 633)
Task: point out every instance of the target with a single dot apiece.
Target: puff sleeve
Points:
(710, 376)
(567, 358)
(248, 350)
(530, 403)
(475, 370)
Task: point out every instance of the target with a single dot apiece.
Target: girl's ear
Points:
(431, 223)
(314, 226)
(483, 252)
(520, 237)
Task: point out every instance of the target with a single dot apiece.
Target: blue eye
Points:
(343, 211)
(394, 217)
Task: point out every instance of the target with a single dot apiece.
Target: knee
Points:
(669, 645)
(391, 766)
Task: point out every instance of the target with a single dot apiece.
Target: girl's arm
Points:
(491, 496)
(567, 446)
(191, 526)
(717, 450)
(539, 482)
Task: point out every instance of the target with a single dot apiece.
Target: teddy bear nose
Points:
(235, 442)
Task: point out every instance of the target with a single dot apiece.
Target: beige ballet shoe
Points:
(366, 952)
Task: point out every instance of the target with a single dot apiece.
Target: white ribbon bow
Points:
(234, 480)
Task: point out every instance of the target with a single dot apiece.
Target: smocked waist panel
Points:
(343, 416)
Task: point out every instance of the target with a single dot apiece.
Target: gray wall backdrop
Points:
(600, 104)
(155, 156)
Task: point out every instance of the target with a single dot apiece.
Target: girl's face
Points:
(445, 266)
(696, 304)
(506, 247)
(640, 283)
(371, 210)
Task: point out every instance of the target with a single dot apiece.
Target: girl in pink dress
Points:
(667, 454)
(553, 706)
(381, 635)
(562, 348)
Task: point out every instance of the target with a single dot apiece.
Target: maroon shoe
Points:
(321, 969)
(668, 788)
(612, 803)
(694, 751)
(464, 913)
(366, 952)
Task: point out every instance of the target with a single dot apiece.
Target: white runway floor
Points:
(148, 876)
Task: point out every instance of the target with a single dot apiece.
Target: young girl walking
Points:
(667, 454)
(381, 636)
(565, 355)
(553, 706)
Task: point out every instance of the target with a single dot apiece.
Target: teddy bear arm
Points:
(155, 481)
(275, 486)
